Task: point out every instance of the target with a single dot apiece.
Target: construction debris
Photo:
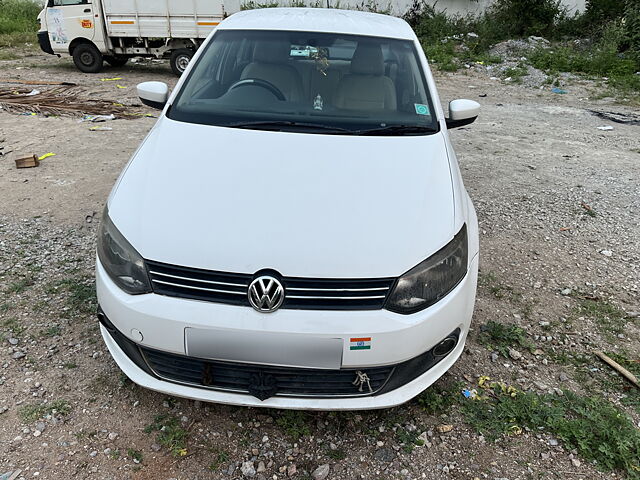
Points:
(59, 100)
(29, 161)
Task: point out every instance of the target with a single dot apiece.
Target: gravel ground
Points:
(558, 205)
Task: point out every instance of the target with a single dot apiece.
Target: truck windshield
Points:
(308, 82)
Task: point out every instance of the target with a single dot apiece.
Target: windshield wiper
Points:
(398, 129)
(280, 124)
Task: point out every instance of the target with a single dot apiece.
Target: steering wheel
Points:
(257, 82)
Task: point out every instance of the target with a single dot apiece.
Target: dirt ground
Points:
(558, 202)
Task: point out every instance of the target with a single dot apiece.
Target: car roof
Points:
(319, 20)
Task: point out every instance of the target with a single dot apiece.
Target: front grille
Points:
(286, 381)
(300, 293)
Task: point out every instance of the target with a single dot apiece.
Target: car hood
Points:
(330, 206)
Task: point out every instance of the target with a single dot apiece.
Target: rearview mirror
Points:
(153, 94)
(462, 112)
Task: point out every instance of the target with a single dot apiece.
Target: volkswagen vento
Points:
(294, 231)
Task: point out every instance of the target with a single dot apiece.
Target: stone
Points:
(606, 253)
(40, 426)
(563, 377)
(18, 355)
(247, 469)
(384, 455)
(321, 472)
(553, 442)
(292, 470)
(112, 436)
(565, 292)
(575, 462)
(514, 354)
(494, 357)
(13, 341)
(261, 467)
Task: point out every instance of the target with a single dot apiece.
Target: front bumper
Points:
(45, 43)
(162, 321)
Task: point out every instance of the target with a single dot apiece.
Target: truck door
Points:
(68, 20)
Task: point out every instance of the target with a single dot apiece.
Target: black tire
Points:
(87, 58)
(180, 60)
(116, 61)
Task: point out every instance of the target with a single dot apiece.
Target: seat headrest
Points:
(272, 51)
(367, 60)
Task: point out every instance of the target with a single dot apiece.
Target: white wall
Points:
(453, 7)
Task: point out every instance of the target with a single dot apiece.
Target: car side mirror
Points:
(154, 94)
(462, 112)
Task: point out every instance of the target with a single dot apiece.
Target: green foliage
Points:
(609, 317)
(294, 423)
(521, 18)
(408, 440)
(220, 457)
(19, 16)
(31, 413)
(135, 455)
(440, 397)
(593, 426)
(170, 434)
(81, 294)
(500, 337)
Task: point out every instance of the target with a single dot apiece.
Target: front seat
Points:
(270, 63)
(366, 87)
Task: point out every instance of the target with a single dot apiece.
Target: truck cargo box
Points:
(165, 18)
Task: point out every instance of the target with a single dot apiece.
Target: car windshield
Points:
(308, 82)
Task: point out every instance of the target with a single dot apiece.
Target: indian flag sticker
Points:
(363, 343)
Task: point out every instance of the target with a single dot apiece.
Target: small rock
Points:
(553, 442)
(575, 462)
(155, 447)
(494, 357)
(545, 456)
(37, 433)
(321, 472)
(247, 469)
(606, 253)
(112, 436)
(261, 467)
(514, 354)
(93, 453)
(563, 377)
(384, 455)
(565, 292)
(18, 355)
(444, 428)
(40, 426)
(13, 341)
(292, 470)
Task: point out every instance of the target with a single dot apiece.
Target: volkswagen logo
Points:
(266, 294)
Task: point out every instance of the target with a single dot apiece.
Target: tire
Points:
(87, 58)
(180, 60)
(116, 61)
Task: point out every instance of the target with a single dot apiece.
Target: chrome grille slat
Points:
(199, 280)
(300, 293)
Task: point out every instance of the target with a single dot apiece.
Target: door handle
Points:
(87, 10)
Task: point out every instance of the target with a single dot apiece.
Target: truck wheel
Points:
(180, 60)
(87, 58)
(116, 61)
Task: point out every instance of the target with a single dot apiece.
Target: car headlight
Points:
(431, 280)
(122, 263)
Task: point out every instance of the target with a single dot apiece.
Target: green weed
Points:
(31, 413)
(440, 397)
(19, 16)
(294, 423)
(220, 457)
(21, 285)
(593, 426)
(337, 454)
(408, 440)
(171, 434)
(81, 294)
(610, 318)
(135, 455)
(500, 337)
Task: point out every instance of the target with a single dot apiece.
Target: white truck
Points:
(93, 31)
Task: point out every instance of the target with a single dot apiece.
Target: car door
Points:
(69, 19)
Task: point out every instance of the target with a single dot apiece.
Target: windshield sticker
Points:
(318, 104)
(422, 109)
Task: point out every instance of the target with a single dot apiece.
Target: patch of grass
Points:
(135, 455)
(31, 413)
(4, 307)
(81, 294)
(70, 365)
(20, 285)
(171, 434)
(408, 440)
(294, 423)
(495, 287)
(593, 426)
(515, 73)
(13, 325)
(115, 454)
(220, 457)
(52, 331)
(500, 337)
(337, 454)
(440, 397)
(610, 318)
